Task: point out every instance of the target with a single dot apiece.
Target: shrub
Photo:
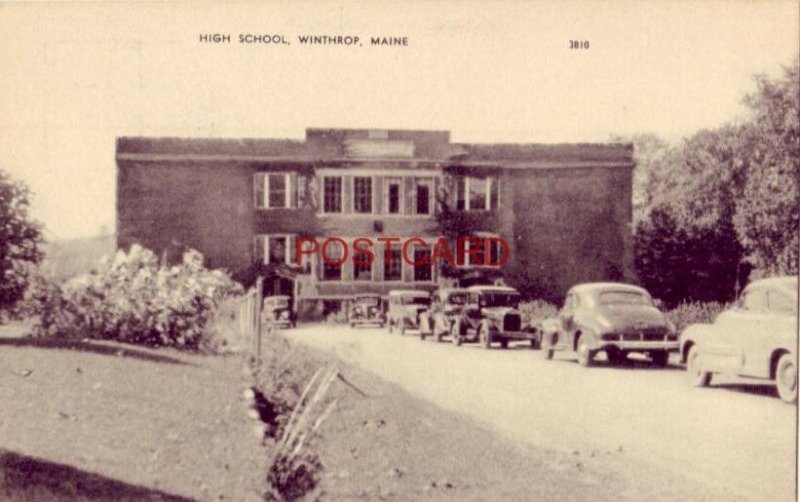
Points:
(537, 310)
(695, 312)
(133, 299)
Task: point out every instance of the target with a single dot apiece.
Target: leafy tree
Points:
(20, 238)
(767, 216)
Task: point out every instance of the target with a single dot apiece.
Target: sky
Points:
(75, 76)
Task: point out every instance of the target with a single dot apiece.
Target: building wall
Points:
(566, 221)
(188, 204)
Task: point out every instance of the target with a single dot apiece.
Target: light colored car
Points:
(611, 317)
(406, 307)
(446, 305)
(756, 338)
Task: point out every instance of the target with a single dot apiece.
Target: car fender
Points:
(694, 334)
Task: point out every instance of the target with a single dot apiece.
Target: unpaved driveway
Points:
(731, 443)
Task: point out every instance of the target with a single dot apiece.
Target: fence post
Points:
(257, 308)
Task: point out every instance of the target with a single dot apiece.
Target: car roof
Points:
(492, 289)
(787, 282)
(598, 287)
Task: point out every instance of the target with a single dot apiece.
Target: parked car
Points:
(756, 338)
(612, 317)
(277, 311)
(446, 305)
(406, 306)
(366, 310)
(490, 315)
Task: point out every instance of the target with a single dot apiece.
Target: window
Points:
(362, 269)
(332, 259)
(423, 193)
(478, 189)
(781, 302)
(274, 249)
(394, 195)
(362, 194)
(477, 194)
(273, 190)
(278, 252)
(393, 268)
(424, 271)
(332, 194)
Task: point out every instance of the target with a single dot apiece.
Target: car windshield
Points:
(416, 300)
(500, 299)
(457, 298)
(624, 298)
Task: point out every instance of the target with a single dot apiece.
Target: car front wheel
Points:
(700, 378)
(786, 379)
(485, 336)
(585, 355)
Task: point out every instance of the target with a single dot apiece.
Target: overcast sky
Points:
(73, 77)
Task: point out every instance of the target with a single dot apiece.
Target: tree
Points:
(767, 216)
(20, 238)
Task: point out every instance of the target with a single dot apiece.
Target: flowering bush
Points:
(694, 312)
(537, 310)
(133, 299)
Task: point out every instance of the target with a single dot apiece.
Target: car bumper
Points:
(669, 346)
(518, 335)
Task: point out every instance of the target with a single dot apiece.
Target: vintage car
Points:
(756, 338)
(446, 305)
(366, 309)
(406, 306)
(490, 315)
(277, 311)
(611, 317)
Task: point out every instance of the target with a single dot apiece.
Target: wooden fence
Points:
(249, 320)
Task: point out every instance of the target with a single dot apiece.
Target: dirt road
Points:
(734, 442)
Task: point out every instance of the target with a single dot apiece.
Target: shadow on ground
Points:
(28, 478)
(748, 388)
(89, 346)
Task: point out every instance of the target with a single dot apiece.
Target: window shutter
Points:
(259, 180)
(291, 243)
(259, 243)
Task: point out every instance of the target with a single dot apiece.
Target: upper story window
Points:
(393, 195)
(273, 190)
(332, 194)
(362, 194)
(423, 195)
(477, 193)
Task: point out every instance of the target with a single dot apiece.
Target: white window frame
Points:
(401, 201)
(265, 255)
(432, 184)
(488, 194)
(353, 193)
(414, 267)
(341, 194)
(468, 257)
(287, 203)
(341, 278)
